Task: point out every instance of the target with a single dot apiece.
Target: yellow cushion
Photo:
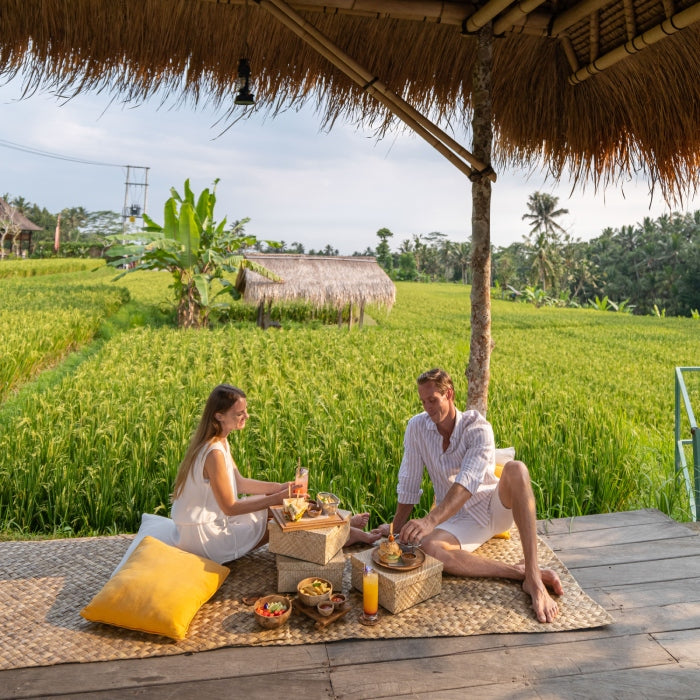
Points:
(159, 589)
(503, 535)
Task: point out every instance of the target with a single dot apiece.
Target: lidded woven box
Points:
(399, 590)
(317, 546)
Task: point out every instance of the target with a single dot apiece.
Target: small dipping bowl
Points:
(408, 558)
(325, 608)
(314, 509)
(338, 600)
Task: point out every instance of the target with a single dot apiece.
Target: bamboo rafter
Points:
(423, 127)
(675, 24)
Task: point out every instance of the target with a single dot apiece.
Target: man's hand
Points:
(414, 531)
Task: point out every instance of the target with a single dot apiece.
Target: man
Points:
(472, 504)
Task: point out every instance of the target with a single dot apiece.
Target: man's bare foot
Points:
(550, 578)
(360, 520)
(546, 609)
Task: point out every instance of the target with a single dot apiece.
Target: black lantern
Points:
(244, 96)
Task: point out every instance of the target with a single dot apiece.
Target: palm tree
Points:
(542, 215)
(461, 257)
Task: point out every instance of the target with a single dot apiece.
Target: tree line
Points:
(652, 267)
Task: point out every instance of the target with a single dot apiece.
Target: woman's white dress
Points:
(202, 527)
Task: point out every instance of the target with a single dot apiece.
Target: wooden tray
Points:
(306, 523)
(321, 620)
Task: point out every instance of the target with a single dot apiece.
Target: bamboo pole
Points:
(576, 14)
(516, 15)
(442, 142)
(485, 15)
(670, 26)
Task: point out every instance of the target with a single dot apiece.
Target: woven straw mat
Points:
(45, 584)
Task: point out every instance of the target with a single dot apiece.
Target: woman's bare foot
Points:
(356, 535)
(549, 577)
(359, 521)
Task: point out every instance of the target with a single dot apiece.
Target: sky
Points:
(294, 181)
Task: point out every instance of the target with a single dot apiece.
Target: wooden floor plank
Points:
(601, 521)
(683, 645)
(614, 536)
(469, 670)
(640, 572)
(654, 550)
(134, 673)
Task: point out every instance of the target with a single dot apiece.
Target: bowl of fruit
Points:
(272, 611)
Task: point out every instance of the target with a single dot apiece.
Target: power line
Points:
(56, 156)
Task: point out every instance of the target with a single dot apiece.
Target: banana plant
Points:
(193, 248)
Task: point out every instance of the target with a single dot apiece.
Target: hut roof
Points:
(16, 217)
(600, 88)
(320, 280)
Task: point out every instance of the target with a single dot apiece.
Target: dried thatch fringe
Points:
(639, 114)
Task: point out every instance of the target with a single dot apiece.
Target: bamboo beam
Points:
(593, 36)
(452, 13)
(569, 53)
(670, 26)
(630, 20)
(515, 16)
(484, 15)
(576, 14)
(442, 142)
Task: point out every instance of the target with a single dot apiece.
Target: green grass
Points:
(585, 397)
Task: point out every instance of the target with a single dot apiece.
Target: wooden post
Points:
(478, 369)
(362, 312)
(350, 317)
(340, 317)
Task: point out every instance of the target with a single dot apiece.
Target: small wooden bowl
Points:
(314, 509)
(270, 623)
(338, 600)
(314, 600)
(325, 608)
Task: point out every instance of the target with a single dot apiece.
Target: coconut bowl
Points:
(270, 623)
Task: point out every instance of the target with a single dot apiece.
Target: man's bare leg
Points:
(445, 547)
(515, 492)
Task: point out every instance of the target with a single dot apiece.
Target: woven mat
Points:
(44, 585)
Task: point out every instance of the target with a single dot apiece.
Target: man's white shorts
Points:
(471, 534)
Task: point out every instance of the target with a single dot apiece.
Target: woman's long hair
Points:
(220, 400)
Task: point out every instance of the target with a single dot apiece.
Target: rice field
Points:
(586, 397)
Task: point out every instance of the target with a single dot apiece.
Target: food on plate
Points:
(294, 508)
(389, 551)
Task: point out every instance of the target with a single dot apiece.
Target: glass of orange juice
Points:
(370, 596)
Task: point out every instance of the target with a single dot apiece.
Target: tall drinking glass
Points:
(301, 482)
(370, 596)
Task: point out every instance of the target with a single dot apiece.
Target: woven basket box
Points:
(290, 571)
(317, 546)
(399, 590)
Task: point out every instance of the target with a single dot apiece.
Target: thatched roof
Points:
(320, 280)
(10, 213)
(603, 88)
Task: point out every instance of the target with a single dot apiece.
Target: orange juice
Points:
(370, 592)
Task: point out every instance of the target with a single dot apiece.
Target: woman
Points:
(210, 518)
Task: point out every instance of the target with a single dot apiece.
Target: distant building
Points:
(24, 239)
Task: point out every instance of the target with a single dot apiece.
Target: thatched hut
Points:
(15, 227)
(320, 280)
(602, 90)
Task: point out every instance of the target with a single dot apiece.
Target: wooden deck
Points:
(641, 566)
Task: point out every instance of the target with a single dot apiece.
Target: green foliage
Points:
(96, 441)
(194, 249)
